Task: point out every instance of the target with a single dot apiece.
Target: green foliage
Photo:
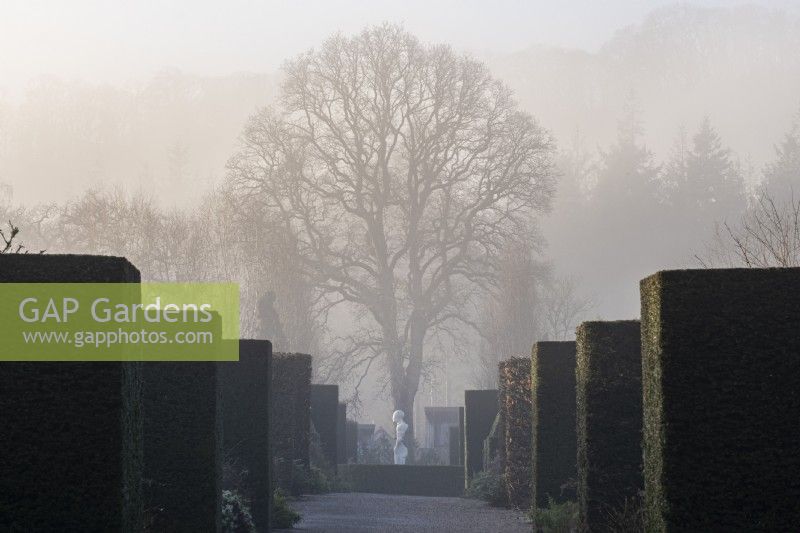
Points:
(557, 517)
(378, 452)
(283, 516)
(627, 518)
(313, 480)
(516, 412)
(488, 486)
(236, 516)
(290, 427)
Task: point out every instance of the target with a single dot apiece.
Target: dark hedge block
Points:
(245, 424)
(413, 480)
(721, 402)
(480, 410)
(515, 398)
(609, 419)
(494, 449)
(341, 434)
(71, 436)
(460, 436)
(35, 268)
(453, 444)
(325, 417)
(182, 445)
(351, 441)
(291, 414)
(555, 441)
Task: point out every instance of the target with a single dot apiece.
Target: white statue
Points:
(400, 450)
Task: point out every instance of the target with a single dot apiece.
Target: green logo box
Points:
(119, 322)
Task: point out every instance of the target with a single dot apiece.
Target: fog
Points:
(123, 130)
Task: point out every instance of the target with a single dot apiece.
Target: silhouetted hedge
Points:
(721, 402)
(515, 398)
(245, 424)
(325, 417)
(71, 435)
(414, 480)
(453, 445)
(341, 433)
(480, 410)
(555, 441)
(351, 441)
(609, 419)
(291, 415)
(494, 447)
(182, 445)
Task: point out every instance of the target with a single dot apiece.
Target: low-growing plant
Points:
(628, 517)
(428, 456)
(236, 517)
(312, 480)
(488, 486)
(557, 517)
(378, 451)
(283, 516)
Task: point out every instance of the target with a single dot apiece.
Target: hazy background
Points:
(153, 95)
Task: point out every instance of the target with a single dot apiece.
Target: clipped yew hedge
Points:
(555, 441)
(609, 419)
(182, 445)
(245, 388)
(480, 410)
(515, 397)
(291, 414)
(341, 434)
(412, 480)
(71, 433)
(721, 363)
(325, 416)
(351, 441)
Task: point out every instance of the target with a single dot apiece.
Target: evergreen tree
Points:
(708, 184)
(627, 176)
(782, 176)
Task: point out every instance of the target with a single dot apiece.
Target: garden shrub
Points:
(609, 418)
(283, 516)
(489, 486)
(325, 417)
(494, 445)
(557, 517)
(721, 402)
(480, 410)
(71, 436)
(291, 414)
(236, 517)
(245, 386)
(554, 447)
(313, 480)
(515, 405)
(378, 451)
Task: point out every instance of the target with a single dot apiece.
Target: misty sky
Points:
(119, 42)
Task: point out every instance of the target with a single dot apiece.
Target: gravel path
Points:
(358, 512)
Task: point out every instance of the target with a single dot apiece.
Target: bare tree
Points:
(400, 170)
(511, 317)
(767, 235)
(563, 308)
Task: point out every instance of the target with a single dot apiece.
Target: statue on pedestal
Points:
(400, 450)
